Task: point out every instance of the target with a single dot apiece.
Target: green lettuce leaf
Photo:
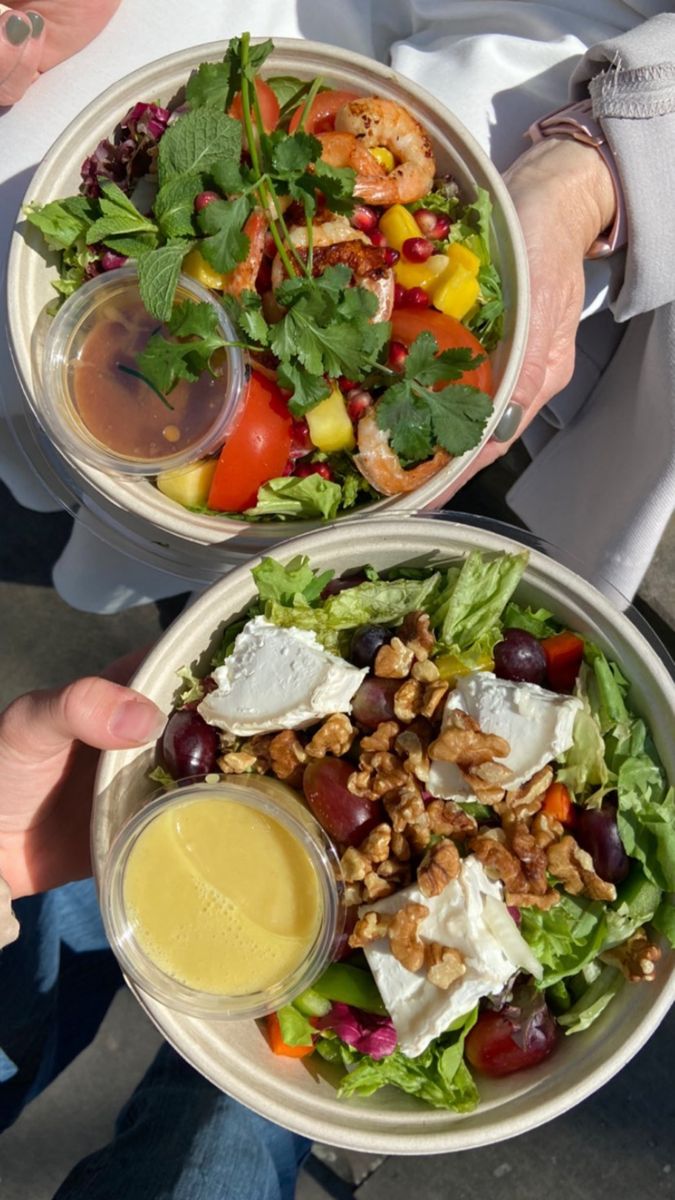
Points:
(192, 688)
(287, 496)
(294, 583)
(593, 1001)
(636, 902)
(468, 615)
(565, 938)
(439, 1075)
(583, 767)
(539, 622)
(664, 919)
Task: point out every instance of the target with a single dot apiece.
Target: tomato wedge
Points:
(269, 106)
(256, 450)
(406, 324)
(322, 114)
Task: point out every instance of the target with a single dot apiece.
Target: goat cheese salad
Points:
(361, 285)
(506, 831)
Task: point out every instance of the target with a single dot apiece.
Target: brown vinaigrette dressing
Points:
(120, 410)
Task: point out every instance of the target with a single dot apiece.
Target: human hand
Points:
(37, 34)
(49, 744)
(564, 196)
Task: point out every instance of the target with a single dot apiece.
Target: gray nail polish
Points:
(37, 22)
(508, 423)
(16, 30)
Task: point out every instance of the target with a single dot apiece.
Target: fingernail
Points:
(16, 30)
(37, 22)
(136, 721)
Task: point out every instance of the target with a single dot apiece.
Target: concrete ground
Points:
(616, 1146)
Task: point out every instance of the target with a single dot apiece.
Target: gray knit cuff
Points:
(638, 93)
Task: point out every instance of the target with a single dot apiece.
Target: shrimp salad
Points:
(360, 284)
(504, 825)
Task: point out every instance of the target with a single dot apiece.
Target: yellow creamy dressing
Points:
(221, 897)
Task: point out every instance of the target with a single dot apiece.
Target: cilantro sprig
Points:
(419, 417)
(196, 337)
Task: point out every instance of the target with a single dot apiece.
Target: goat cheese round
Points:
(276, 679)
(461, 916)
(537, 724)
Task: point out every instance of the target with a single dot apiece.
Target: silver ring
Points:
(509, 423)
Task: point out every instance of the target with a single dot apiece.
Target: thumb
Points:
(40, 725)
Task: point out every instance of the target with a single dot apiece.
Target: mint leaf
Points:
(209, 85)
(118, 215)
(459, 415)
(158, 278)
(174, 206)
(408, 421)
(197, 142)
(226, 244)
(228, 176)
(132, 245)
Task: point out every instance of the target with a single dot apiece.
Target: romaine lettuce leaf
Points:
(664, 919)
(565, 938)
(636, 902)
(295, 1027)
(379, 602)
(439, 1075)
(583, 766)
(291, 584)
(468, 613)
(539, 622)
(593, 1001)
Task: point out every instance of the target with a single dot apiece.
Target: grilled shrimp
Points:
(345, 150)
(379, 464)
(374, 121)
(335, 241)
(244, 275)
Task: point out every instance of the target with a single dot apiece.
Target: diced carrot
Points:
(564, 652)
(558, 803)
(277, 1043)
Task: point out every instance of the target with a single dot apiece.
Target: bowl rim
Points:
(201, 529)
(455, 1135)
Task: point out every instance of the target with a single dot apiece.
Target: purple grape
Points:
(365, 643)
(597, 832)
(341, 585)
(520, 658)
(189, 745)
(374, 701)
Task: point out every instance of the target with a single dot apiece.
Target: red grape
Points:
(374, 701)
(365, 643)
(189, 745)
(345, 817)
(520, 657)
(597, 832)
(493, 1050)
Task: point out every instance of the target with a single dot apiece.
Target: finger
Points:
(21, 42)
(40, 725)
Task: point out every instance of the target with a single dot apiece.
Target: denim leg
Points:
(179, 1138)
(56, 984)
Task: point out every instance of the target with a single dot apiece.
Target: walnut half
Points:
(404, 939)
(636, 958)
(439, 866)
(444, 965)
(574, 868)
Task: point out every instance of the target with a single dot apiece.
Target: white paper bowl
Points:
(136, 505)
(295, 1094)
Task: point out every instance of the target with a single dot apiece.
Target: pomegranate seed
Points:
(391, 256)
(399, 295)
(415, 297)
(377, 238)
(347, 385)
(417, 250)
(397, 355)
(442, 230)
(301, 443)
(319, 468)
(358, 404)
(204, 199)
(270, 248)
(426, 221)
(364, 218)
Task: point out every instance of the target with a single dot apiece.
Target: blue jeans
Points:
(177, 1137)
